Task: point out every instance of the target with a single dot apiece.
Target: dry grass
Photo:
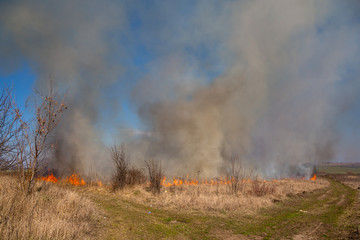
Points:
(351, 180)
(219, 198)
(50, 212)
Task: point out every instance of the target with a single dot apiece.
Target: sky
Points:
(192, 83)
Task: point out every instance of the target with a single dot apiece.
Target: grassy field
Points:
(305, 215)
(296, 209)
(328, 169)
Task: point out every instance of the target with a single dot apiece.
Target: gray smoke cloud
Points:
(72, 42)
(263, 80)
(276, 102)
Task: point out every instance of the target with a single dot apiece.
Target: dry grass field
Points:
(349, 180)
(52, 212)
(281, 209)
(347, 173)
(251, 196)
(294, 208)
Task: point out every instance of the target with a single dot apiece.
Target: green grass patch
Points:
(129, 220)
(338, 169)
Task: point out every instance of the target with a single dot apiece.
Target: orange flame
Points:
(75, 179)
(193, 182)
(313, 178)
(99, 183)
(50, 178)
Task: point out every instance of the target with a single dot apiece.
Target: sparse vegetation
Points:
(135, 176)
(119, 158)
(262, 188)
(155, 175)
(216, 198)
(50, 212)
(350, 180)
(124, 173)
(34, 141)
(311, 205)
(338, 169)
(235, 175)
(56, 211)
(10, 127)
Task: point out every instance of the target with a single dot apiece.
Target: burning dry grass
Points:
(217, 198)
(50, 212)
(74, 179)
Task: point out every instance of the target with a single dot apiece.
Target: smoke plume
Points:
(276, 103)
(71, 42)
(263, 80)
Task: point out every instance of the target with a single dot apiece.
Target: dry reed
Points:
(50, 212)
(219, 198)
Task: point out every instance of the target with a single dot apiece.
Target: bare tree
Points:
(23, 158)
(235, 175)
(10, 126)
(155, 175)
(119, 157)
(36, 137)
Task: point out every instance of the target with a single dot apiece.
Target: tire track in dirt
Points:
(336, 201)
(324, 195)
(341, 201)
(311, 215)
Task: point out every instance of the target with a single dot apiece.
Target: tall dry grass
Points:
(248, 200)
(351, 180)
(50, 212)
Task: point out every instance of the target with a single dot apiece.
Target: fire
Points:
(99, 183)
(193, 182)
(75, 179)
(313, 178)
(212, 182)
(50, 178)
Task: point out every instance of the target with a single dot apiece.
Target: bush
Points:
(124, 174)
(260, 188)
(120, 161)
(155, 175)
(135, 176)
(235, 175)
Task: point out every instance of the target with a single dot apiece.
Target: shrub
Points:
(120, 161)
(155, 175)
(260, 188)
(235, 175)
(135, 176)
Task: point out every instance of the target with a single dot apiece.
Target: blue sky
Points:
(22, 80)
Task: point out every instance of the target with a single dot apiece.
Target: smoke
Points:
(276, 102)
(268, 81)
(72, 42)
